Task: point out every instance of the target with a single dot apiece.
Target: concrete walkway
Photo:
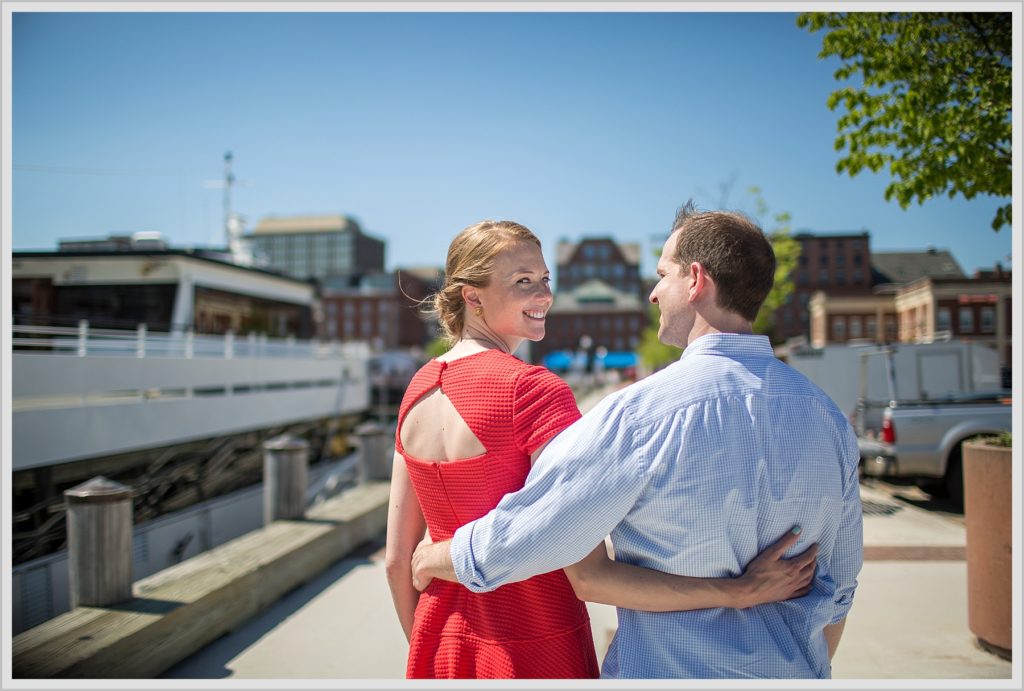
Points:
(909, 619)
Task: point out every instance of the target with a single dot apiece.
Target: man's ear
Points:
(700, 280)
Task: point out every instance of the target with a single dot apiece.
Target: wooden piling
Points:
(376, 451)
(285, 463)
(99, 527)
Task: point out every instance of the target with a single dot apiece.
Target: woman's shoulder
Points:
(424, 378)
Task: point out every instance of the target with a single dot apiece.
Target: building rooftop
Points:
(566, 250)
(830, 234)
(215, 256)
(904, 267)
(595, 295)
(273, 225)
(428, 274)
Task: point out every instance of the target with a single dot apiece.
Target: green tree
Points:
(935, 101)
(437, 347)
(787, 253)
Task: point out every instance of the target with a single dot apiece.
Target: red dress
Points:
(534, 629)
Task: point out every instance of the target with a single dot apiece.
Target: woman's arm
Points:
(768, 578)
(406, 528)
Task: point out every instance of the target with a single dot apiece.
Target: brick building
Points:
(610, 318)
(602, 259)
(975, 309)
(838, 264)
(382, 308)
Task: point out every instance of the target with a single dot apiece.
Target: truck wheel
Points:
(954, 480)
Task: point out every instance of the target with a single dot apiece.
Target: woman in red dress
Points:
(469, 427)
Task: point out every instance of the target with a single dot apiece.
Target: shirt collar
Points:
(731, 345)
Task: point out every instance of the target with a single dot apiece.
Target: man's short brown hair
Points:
(733, 250)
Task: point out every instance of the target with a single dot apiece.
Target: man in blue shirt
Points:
(693, 470)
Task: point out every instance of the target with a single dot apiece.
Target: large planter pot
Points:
(988, 515)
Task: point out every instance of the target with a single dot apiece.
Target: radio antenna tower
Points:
(239, 248)
(229, 180)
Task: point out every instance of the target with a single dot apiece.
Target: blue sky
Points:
(419, 124)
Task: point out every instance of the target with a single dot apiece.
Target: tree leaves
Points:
(787, 253)
(934, 105)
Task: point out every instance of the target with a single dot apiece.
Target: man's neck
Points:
(725, 323)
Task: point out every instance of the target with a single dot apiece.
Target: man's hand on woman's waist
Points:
(432, 560)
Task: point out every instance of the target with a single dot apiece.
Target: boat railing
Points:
(84, 340)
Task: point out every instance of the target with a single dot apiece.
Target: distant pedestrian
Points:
(470, 425)
(692, 470)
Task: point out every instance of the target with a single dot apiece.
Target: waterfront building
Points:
(599, 258)
(837, 317)
(836, 263)
(317, 247)
(592, 316)
(975, 309)
(384, 309)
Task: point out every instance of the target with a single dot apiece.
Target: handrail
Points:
(84, 340)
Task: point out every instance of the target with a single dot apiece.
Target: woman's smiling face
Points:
(518, 297)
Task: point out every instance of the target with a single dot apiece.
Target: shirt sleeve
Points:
(582, 486)
(848, 555)
(543, 405)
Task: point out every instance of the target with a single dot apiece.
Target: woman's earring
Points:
(478, 311)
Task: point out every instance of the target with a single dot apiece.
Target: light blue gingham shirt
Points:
(693, 470)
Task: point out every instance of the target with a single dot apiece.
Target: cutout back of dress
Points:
(434, 430)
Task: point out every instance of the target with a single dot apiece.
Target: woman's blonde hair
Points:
(471, 263)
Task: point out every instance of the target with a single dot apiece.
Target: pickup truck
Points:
(922, 439)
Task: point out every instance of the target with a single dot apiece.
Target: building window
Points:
(966, 320)
(943, 319)
(838, 329)
(855, 325)
(988, 320)
(841, 260)
(871, 327)
(890, 328)
(858, 259)
(858, 277)
(823, 260)
(840, 277)
(823, 276)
